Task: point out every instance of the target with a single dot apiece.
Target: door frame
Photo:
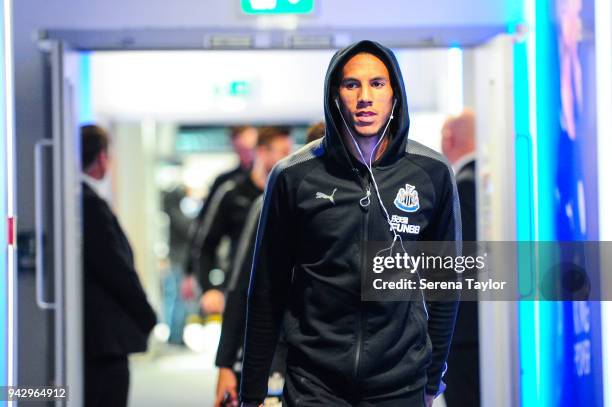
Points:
(506, 381)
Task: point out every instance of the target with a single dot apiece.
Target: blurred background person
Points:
(178, 224)
(229, 353)
(243, 140)
(118, 317)
(315, 131)
(463, 377)
(227, 213)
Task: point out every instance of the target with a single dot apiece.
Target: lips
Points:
(365, 118)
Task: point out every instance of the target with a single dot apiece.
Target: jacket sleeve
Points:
(214, 227)
(467, 198)
(193, 250)
(442, 314)
(234, 315)
(268, 291)
(108, 263)
(232, 329)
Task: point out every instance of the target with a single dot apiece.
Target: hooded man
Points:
(320, 205)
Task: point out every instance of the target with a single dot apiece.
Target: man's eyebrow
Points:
(377, 78)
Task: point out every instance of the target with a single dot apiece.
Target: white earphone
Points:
(365, 201)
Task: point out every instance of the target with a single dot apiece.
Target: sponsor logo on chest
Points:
(401, 224)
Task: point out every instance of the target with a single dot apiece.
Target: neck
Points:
(94, 173)
(245, 165)
(366, 145)
(258, 175)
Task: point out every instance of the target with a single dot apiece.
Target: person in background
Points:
(315, 132)
(179, 222)
(117, 318)
(234, 315)
(244, 139)
(228, 210)
(462, 377)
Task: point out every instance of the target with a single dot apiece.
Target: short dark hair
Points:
(315, 132)
(266, 135)
(235, 131)
(94, 140)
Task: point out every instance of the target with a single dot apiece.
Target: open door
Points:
(59, 225)
(67, 222)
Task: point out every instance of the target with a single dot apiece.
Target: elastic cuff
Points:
(435, 389)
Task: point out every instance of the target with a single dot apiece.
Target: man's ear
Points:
(337, 101)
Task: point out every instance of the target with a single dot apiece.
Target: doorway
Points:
(161, 138)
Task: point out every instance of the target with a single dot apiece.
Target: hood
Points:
(398, 129)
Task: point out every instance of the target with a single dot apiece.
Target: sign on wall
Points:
(277, 6)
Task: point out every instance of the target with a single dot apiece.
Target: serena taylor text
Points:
(424, 284)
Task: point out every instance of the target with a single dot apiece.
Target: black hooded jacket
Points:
(307, 260)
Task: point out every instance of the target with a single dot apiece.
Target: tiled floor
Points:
(176, 377)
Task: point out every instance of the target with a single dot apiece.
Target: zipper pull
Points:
(365, 201)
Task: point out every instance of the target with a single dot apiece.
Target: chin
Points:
(367, 132)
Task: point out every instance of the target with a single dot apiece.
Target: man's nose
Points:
(365, 96)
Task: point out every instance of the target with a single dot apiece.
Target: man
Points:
(118, 318)
(179, 224)
(228, 210)
(234, 316)
(462, 378)
(243, 139)
(320, 205)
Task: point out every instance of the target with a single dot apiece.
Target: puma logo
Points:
(321, 195)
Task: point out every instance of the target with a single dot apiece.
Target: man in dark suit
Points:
(462, 377)
(118, 317)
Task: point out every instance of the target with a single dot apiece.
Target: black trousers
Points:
(463, 378)
(107, 382)
(302, 392)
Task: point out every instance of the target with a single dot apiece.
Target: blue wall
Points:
(560, 342)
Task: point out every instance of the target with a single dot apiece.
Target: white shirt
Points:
(463, 161)
(100, 187)
(91, 182)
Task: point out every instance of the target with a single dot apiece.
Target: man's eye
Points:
(351, 85)
(378, 84)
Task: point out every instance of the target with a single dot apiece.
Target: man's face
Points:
(244, 145)
(99, 168)
(278, 149)
(366, 94)
(447, 143)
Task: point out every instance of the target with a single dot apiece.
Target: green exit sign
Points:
(277, 6)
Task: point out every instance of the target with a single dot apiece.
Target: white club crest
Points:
(407, 199)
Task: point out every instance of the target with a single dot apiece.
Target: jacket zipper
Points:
(364, 235)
